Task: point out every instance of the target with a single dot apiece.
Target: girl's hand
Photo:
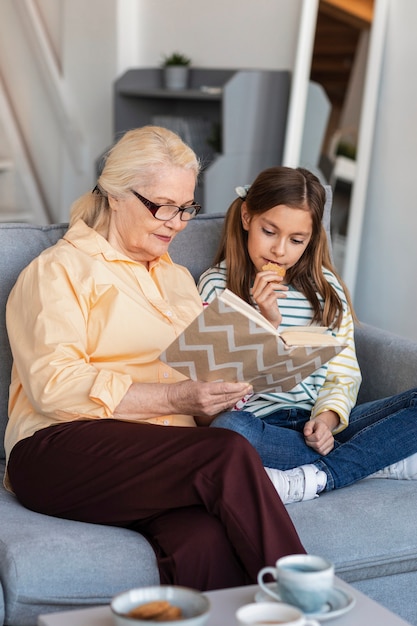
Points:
(318, 432)
(267, 287)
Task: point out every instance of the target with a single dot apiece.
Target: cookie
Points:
(156, 611)
(274, 268)
(171, 614)
(150, 610)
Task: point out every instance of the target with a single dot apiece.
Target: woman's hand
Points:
(202, 400)
(206, 400)
(267, 287)
(318, 432)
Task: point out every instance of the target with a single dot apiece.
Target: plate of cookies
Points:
(163, 604)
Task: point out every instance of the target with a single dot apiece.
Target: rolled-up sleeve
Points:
(49, 342)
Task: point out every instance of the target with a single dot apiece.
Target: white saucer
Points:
(339, 603)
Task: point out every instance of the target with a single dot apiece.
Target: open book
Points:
(232, 341)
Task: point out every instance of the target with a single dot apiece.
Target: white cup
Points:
(303, 580)
(272, 614)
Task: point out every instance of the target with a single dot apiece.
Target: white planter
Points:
(176, 76)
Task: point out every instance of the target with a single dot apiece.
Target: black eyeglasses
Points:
(165, 212)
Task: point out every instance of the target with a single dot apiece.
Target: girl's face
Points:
(279, 235)
(133, 229)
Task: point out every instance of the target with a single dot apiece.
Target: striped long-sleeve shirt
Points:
(334, 386)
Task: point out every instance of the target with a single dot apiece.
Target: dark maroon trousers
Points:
(200, 495)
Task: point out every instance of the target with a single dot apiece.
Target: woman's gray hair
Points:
(137, 155)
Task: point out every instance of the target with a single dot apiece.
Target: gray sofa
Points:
(368, 530)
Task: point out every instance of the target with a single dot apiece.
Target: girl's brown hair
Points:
(300, 189)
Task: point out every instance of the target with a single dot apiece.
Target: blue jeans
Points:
(380, 433)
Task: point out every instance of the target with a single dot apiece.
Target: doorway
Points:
(338, 64)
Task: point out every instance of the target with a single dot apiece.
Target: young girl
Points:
(312, 438)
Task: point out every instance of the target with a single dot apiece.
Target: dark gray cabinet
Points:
(234, 119)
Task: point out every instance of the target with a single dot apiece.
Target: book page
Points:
(296, 336)
(232, 300)
(308, 336)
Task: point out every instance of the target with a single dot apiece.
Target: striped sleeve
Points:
(340, 389)
(212, 282)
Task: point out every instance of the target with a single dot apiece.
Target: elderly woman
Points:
(100, 430)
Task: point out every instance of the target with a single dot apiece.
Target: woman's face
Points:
(134, 231)
(280, 235)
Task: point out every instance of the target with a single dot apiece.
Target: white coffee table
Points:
(224, 604)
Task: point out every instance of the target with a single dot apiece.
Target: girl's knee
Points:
(238, 421)
(225, 420)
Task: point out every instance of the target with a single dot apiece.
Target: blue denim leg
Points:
(277, 437)
(379, 433)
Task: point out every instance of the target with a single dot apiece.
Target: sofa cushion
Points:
(79, 564)
(352, 527)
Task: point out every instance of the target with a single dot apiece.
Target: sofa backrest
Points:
(194, 247)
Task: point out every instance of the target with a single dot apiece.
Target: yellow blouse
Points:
(84, 323)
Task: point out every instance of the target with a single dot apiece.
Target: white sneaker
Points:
(301, 483)
(403, 470)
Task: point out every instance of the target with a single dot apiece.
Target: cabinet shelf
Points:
(247, 109)
(183, 94)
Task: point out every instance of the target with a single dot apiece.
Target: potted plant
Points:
(175, 67)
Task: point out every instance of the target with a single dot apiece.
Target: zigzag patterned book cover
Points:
(232, 341)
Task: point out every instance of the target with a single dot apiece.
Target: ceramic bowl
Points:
(194, 605)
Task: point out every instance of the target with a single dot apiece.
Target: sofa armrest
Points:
(388, 362)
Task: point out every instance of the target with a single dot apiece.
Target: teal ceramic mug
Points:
(303, 580)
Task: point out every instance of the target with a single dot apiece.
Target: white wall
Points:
(386, 285)
(89, 65)
(219, 33)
